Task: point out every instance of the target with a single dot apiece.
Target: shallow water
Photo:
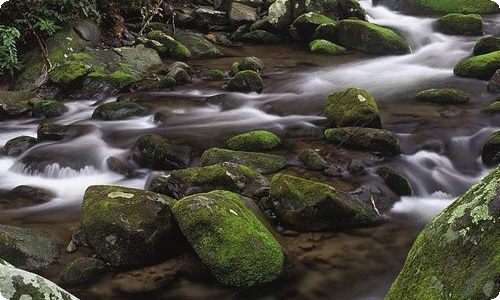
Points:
(441, 148)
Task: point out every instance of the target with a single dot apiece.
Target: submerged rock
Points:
(458, 24)
(326, 47)
(222, 176)
(352, 107)
(246, 82)
(487, 45)
(229, 239)
(480, 66)
(18, 145)
(371, 38)
(261, 162)
(82, 269)
(48, 131)
(492, 108)
(254, 141)
(48, 109)
(157, 152)
(313, 206)
(463, 238)
(397, 182)
(129, 227)
(370, 139)
(312, 160)
(444, 96)
(26, 248)
(118, 111)
(491, 150)
(19, 284)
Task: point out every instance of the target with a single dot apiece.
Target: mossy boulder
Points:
(213, 75)
(222, 176)
(326, 32)
(129, 227)
(396, 181)
(246, 82)
(480, 66)
(261, 162)
(74, 67)
(444, 96)
(352, 107)
(157, 152)
(26, 248)
(464, 238)
(458, 24)
(19, 284)
(491, 150)
(306, 24)
(487, 45)
(15, 104)
(442, 7)
(371, 38)
(163, 82)
(197, 44)
(118, 111)
(492, 108)
(280, 14)
(48, 131)
(251, 63)
(82, 269)
(370, 139)
(229, 239)
(254, 141)
(307, 205)
(48, 109)
(326, 47)
(262, 37)
(312, 160)
(174, 49)
(18, 145)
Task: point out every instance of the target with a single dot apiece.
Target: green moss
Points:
(213, 75)
(312, 160)
(124, 75)
(459, 24)
(48, 108)
(371, 38)
(261, 162)
(352, 107)
(229, 239)
(246, 82)
(157, 152)
(464, 238)
(326, 47)
(369, 139)
(491, 150)
(174, 49)
(306, 24)
(457, 6)
(68, 72)
(444, 96)
(480, 67)
(492, 108)
(254, 141)
(487, 45)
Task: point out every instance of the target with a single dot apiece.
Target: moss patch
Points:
(459, 24)
(254, 141)
(480, 67)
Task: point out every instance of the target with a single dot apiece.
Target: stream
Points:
(441, 148)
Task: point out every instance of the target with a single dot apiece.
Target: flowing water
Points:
(441, 145)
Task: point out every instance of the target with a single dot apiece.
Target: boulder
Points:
(370, 139)
(18, 145)
(118, 111)
(82, 269)
(48, 109)
(261, 162)
(491, 150)
(306, 205)
(397, 182)
(371, 38)
(326, 32)
(254, 141)
(246, 82)
(15, 103)
(48, 131)
(29, 249)
(464, 238)
(229, 239)
(212, 75)
(129, 227)
(326, 47)
(444, 96)
(355, 167)
(157, 152)
(241, 14)
(221, 176)
(481, 66)
(280, 14)
(312, 160)
(19, 284)
(251, 63)
(442, 7)
(352, 107)
(173, 48)
(197, 44)
(306, 24)
(487, 45)
(494, 83)
(458, 24)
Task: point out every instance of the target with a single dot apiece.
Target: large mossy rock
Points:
(254, 141)
(246, 82)
(306, 24)
(442, 7)
(487, 45)
(456, 256)
(173, 48)
(261, 162)
(352, 107)
(313, 206)
(197, 44)
(480, 66)
(491, 150)
(229, 239)
(118, 111)
(27, 248)
(223, 176)
(444, 96)
(369, 139)
(371, 38)
(157, 152)
(47, 109)
(19, 284)
(129, 227)
(458, 24)
(18, 145)
(15, 104)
